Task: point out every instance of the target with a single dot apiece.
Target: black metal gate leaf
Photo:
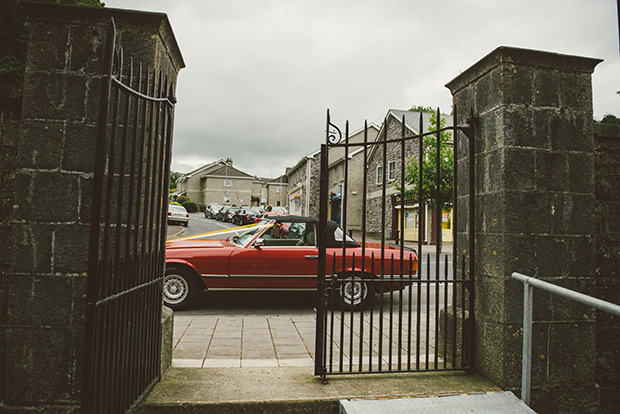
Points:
(422, 320)
(127, 239)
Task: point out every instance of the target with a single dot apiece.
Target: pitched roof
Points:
(412, 123)
(217, 168)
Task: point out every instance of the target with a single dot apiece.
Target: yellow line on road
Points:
(218, 232)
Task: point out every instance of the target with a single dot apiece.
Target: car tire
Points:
(355, 292)
(181, 287)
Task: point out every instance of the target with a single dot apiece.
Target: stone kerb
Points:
(534, 202)
(42, 321)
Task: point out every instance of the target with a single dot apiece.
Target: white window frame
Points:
(391, 171)
(227, 182)
(379, 175)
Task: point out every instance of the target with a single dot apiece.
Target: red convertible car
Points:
(281, 253)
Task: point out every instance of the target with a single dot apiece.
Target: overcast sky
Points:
(261, 74)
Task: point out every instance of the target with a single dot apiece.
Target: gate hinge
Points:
(468, 128)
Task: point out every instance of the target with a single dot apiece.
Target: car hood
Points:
(195, 244)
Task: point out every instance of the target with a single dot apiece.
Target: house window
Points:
(227, 183)
(391, 170)
(379, 174)
(278, 190)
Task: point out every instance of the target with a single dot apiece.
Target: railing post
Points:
(526, 373)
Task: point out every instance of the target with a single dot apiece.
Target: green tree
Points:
(610, 119)
(174, 176)
(427, 191)
(420, 108)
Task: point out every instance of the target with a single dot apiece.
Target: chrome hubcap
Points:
(175, 289)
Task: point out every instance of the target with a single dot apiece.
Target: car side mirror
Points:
(259, 243)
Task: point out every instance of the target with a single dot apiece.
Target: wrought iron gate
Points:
(420, 321)
(126, 251)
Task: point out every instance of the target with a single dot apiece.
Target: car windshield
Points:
(244, 238)
(338, 235)
(177, 209)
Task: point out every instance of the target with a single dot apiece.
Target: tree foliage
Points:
(610, 120)
(174, 176)
(190, 206)
(419, 108)
(427, 192)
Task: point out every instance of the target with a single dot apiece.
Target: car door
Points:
(285, 259)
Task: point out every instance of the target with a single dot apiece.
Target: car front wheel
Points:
(356, 292)
(180, 288)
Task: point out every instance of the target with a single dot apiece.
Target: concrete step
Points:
(503, 402)
(292, 390)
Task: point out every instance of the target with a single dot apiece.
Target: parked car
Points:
(212, 210)
(280, 254)
(219, 216)
(228, 216)
(177, 214)
(247, 215)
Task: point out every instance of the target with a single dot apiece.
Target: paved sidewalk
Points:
(202, 341)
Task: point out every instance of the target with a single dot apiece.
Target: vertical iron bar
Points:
(528, 306)
(320, 344)
(343, 204)
(409, 312)
(383, 202)
(454, 311)
(371, 315)
(421, 223)
(391, 316)
(129, 231)
(455, 218)
(352, 313)
(91, 342)
(463, 331)
(472, 247)
(402, 242)
(109, 381)
(445, 312)
(371, 285)
(421, 218)
(332, 312)
(438, 229)
(428, 308)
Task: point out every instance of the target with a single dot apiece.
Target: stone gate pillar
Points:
(43, 282)
(534, 214)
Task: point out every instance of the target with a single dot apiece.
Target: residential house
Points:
(416, 215)
(303, 186)
(354, 161)
(274, 191)
(220, 182)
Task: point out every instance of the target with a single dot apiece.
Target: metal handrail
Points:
(529, 283)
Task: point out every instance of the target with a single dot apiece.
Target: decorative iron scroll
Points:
(331, 135)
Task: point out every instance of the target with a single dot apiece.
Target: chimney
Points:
(229, 161)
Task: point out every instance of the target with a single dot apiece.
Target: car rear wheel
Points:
(180, 288)
(356, 292)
